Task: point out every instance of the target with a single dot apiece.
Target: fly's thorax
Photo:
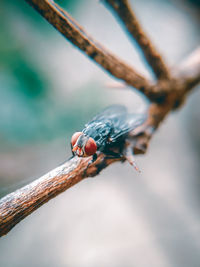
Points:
(99, 131)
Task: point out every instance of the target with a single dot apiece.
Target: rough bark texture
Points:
(17, 205)
(166, 95)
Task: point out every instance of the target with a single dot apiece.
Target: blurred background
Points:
(48, 90)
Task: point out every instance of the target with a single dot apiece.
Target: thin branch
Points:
(19, 204)
(124, 12)
(68, 27)
(189, 70)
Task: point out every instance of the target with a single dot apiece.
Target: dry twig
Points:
(68, 27)
(129, 20)
(19, 204)
(189, 70)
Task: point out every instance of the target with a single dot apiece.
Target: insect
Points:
(106, 131)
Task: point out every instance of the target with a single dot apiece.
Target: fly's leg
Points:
(113, 155)
(129, 156)
(94, 158)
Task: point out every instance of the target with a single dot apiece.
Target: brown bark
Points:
(68, 27)
(124, 12)
(19, 204)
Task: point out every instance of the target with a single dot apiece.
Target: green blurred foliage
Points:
(28, 112)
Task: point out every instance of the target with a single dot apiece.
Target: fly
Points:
(106, 131)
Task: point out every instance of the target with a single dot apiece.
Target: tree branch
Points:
(19, 204)
(16, 206)
(189, 70)
(68, 27)
(124, 12)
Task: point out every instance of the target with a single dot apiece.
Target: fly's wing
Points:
(109, 113)
(126, 123)
(113, 122)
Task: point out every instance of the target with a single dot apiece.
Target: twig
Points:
(124, 12)
(189, 70)
(19, 204)
(68, 27)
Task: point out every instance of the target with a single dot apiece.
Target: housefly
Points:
(106, 131)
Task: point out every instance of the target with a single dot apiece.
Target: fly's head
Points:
(83, 145)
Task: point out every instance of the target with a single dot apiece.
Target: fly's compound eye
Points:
(90, 147)
(75, 137)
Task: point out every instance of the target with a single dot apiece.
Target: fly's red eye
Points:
(90, 147)
(75, 137)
